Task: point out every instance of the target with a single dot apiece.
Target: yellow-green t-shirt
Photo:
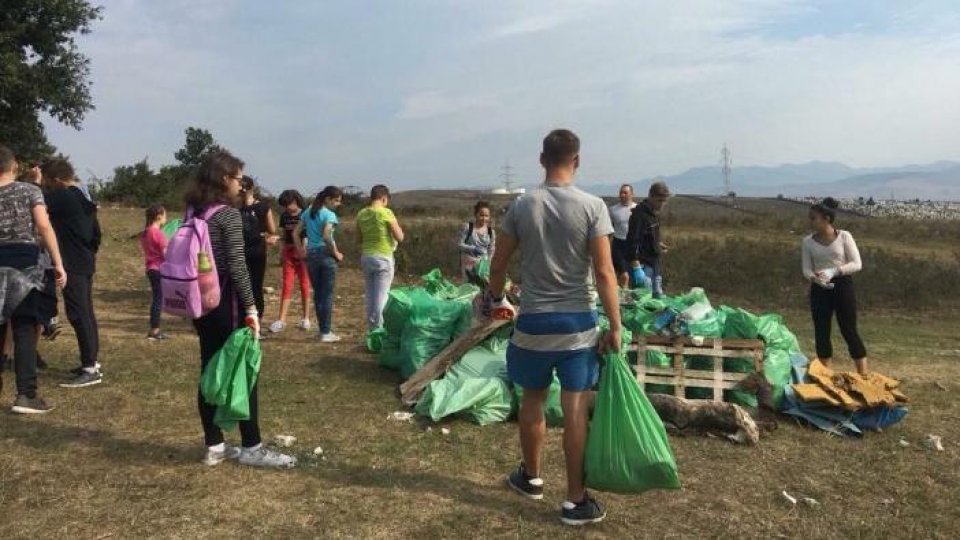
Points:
(374, 224)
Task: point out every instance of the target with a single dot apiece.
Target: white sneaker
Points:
(329, 338)
(261, 456)
(305, 324)
(278, 326)
(215, 458)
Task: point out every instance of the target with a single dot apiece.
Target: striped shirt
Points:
(226, 237)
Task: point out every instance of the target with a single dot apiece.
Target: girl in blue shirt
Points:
(321, 253)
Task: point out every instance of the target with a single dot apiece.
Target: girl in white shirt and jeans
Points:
(830, 258)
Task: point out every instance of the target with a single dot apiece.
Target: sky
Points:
(443, 93)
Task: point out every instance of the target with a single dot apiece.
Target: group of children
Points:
(49, 238)
(309, 254)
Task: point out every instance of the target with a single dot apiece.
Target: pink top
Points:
(154, 244)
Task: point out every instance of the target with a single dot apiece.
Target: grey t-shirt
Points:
(554, 226)
(17, 201)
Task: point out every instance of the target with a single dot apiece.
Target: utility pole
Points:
(726, 167)
(507, 176)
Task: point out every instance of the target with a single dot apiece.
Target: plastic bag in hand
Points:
(627, 447)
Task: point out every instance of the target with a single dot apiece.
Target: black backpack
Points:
(466, 238)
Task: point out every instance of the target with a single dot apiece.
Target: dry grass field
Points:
(122, 460)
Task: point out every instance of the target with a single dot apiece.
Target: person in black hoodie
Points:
(644, 245)
(74, 218)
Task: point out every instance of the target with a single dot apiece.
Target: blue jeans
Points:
(322, 268)
(648, 277)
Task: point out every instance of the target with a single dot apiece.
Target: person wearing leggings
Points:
(218, 182)
(830, 258)
(259, 231)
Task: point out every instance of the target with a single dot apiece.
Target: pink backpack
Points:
(186, 291)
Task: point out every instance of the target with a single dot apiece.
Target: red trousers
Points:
(294, 267)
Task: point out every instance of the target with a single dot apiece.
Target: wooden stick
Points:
(411, 389)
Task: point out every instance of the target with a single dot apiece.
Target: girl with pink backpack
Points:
(216, 187)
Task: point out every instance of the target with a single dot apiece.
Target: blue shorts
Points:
(548, 343)
(578, 371)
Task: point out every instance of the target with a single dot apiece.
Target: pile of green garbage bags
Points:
(693, 315)
(419, 321)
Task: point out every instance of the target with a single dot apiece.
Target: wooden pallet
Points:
(681, 377)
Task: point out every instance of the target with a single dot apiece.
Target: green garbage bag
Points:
(430, 327)
(482, 401)
(658, 359)
(627, 447)
(230, 376)
(170, 228)
(740, 324)
(375, 340)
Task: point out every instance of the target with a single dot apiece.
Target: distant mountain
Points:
(939, 180)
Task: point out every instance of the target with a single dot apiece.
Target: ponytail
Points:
(329, 192)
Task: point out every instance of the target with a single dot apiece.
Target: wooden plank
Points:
(679, 389)
(694, 373)
(699, 351)
(411, 389)
(691, 383)
(717, 374)
(744, 344)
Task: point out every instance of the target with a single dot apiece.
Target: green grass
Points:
(121, 460)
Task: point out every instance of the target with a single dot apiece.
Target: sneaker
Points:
(582, 513)
(51, 331)
(261, 456)
(278, 326)
(83, 379)
(329, 338)
(34, 405)
(215, 457)
(79, 369)
(159, 336)
(305, 324)
(526, 485)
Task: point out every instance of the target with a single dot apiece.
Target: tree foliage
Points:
(41, 70)
(139, 185)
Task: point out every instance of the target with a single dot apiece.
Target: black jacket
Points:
(643, 238)
(74, 219)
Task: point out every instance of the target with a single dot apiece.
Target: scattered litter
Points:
(935, 442)
(446, 431)
(285, 441)
(318, 451)
(887, 502)
(789, 498)
(400, 416)
(904, 443)
(809, 501)
(429, 429)
(269, 290)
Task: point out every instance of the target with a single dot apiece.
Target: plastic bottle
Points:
(208, 282)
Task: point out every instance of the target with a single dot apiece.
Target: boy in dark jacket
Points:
(643, 240)
(74, 218)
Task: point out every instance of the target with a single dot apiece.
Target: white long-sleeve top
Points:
(842, 255)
